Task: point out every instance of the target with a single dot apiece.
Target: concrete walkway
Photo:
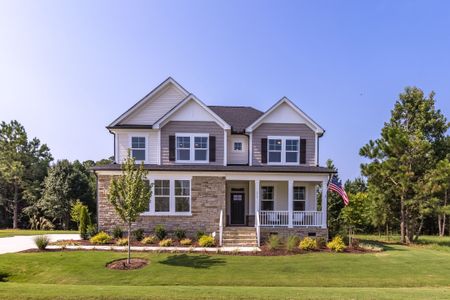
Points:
(24, 242)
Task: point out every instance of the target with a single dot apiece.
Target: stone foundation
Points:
(301, 232)
(207, 199)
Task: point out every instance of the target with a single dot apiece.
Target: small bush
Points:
(336, 244)
(273, 242)
(207, 241)
(122, 242)
(166, 243)
(41, 242)
(138, 234)
(84, 221)
(308, 244)
(180, 234)
(101, 238)
(321, 242)
(160, 232)
(149, 240)
(354, 243)
(186, 242)
(291, 243)
(117, 232)
(91, 230)
(199, 234)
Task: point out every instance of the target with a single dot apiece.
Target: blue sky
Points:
(68, 68)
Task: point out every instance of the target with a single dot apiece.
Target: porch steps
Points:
(239, 237)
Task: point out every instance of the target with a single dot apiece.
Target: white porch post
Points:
(290, 203)
(324, 203)
(257, 200)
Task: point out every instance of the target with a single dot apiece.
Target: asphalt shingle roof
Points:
(238, 117)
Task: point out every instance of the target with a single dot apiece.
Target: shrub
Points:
(117, 232)
(354, 243)
(336, 244)
(207, 241)
(321, 242)
(41, 242)
(291, 243)
(180, 234)
(186, 242)
(166, 243)
(138, 234)
(101, 238)
(122, 242)
(160, 232)
(199, 234)
(273, 242)
(84, 221)
(308, 244)
(370, 247)
(149, 240)
(91, 230)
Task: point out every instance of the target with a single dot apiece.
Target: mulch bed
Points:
(122, 264)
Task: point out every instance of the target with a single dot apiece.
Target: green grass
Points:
(399, 272)
(14, 232)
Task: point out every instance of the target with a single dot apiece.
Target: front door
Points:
(237, 208)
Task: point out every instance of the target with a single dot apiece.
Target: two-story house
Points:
(214, 168)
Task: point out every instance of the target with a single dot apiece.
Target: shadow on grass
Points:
(443, 243)
(193, 261)
(384, 246)
(4, 276)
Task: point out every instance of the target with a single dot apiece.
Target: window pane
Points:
(274, 156)
(138, 154)
(299, 205)
(291, 145)
(299, 193)
(162, 187)
(137, 142)
(183, 142)
(275, 144)
(267, 205)
(162, 204)
(238, 146)
(201, 142)
(292, 157)
(182, 204)
(182, 188)
(183, 154)
(200, 154)
(267, 192)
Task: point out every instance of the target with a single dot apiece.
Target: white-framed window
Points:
(283, 150)
(192, 147)
(267, 198)
(237, 147)
(138, 148)
(299, 198)
(171, 197)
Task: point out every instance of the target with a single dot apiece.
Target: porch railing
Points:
(280, 218)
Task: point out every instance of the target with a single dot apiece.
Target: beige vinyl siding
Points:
(281, 129)
(173, 127)
(235, 157)
(155, 108)
(123, 142)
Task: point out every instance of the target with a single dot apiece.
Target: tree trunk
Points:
(419, 230)
(16, 206)
(129, 243)
(440, 224)
(402, 222)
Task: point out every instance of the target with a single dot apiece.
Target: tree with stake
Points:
(130, 194)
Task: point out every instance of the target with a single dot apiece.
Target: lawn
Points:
(13, 232)
(398, 272)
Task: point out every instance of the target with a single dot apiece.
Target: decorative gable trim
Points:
(309, 122)
(166, 118)
(147, 98)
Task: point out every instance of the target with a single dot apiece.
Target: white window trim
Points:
(262, 195)
(306, 196)
(192, 137)
(144, 135)
(242, 146)
(171, 211)
(283, 150)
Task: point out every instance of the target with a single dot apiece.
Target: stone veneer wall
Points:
(207, 199)
(297, 231)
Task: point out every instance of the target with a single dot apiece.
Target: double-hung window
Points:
(299, 198)
(162, 195)
(138, 147)
(182, 195)
(192, 148)
(171, 197)
(283, 150)
(267, 201)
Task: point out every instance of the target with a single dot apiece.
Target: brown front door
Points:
(237, 208)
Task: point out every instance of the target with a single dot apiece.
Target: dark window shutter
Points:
(302, 151)
(212, 148)
(264, 151)
(171, 148)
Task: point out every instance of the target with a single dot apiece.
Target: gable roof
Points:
(191, 97)
(310, 122)
(147, 98)
(239, 117)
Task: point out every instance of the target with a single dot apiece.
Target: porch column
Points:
(324, 202)
(257, 201)
(290, 203)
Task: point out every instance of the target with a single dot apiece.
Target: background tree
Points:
(130, 194)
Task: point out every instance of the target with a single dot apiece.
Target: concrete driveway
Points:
(21, 243)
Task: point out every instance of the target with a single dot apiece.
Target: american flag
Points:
(336, 186)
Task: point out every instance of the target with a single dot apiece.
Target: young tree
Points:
(130, 194)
